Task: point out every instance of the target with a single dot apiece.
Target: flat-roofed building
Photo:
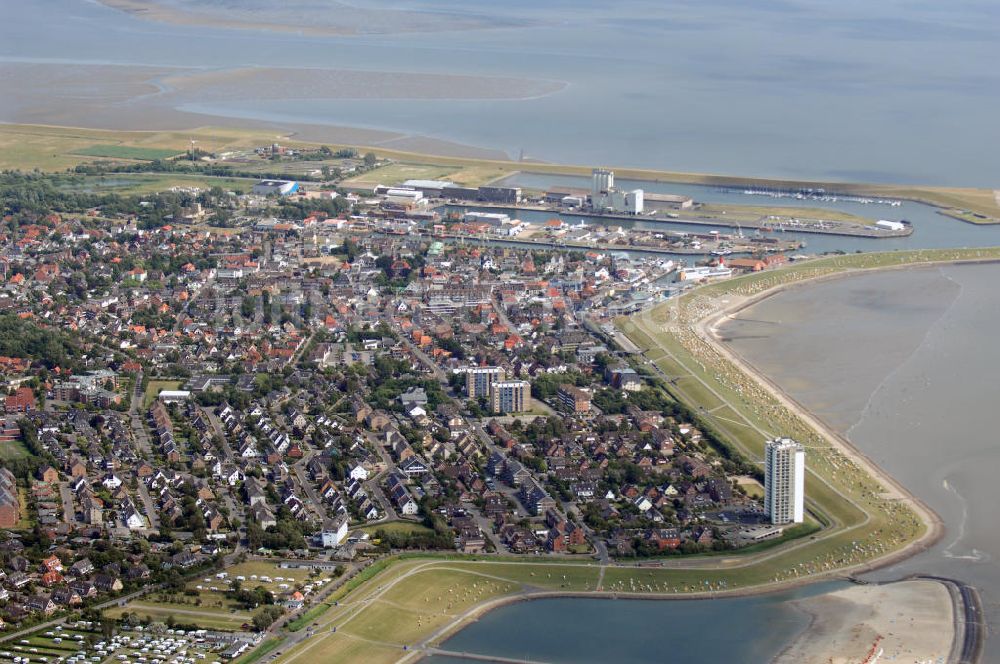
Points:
(573, 398)
(784, 481)
(510, 396)
(479, 379)
(505, 195)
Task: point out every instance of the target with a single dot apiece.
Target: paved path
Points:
(316, 504)
(479, 658)
(151, 513)
(69, 512)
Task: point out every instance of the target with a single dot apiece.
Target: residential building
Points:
(479, 379)
(10, 502)
(336, 534)
(510, 396)
(784, 481)
(573, 398)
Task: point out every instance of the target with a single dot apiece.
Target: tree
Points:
(107, 627)
(370, 159)
(265, 617)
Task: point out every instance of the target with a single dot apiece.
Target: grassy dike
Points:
(57, 148)
(408, 603)
(870, 517)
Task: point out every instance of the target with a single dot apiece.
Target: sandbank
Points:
(912, 621)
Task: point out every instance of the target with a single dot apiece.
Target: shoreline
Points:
(934, 527)
(707, 328)
(419, 148)
(431, 645)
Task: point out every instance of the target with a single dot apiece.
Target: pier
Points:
(481, 658)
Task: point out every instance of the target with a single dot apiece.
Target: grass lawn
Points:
(127, 152)
(398, 528)
(154, 387)
(147, 183)
(261, 568)
(343, 648)
(26, 522)
(49, 148)
(973, 217)
(203, 616)
(422, 603)
(755, 212)
(549, 576)
(477, 176)
(753, 488)
(13, 449)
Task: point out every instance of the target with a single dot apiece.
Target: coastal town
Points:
(222, 407)
(319, 379)
(449, 331)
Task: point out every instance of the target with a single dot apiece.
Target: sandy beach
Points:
(909, 621)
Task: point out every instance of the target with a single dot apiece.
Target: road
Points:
(315, 505)
(235, 508)
(69, 512)
(600, 547)
(479, 658)
(151, 513)
(178, 322)
(438, 372)
(135, 415)
(373, 484)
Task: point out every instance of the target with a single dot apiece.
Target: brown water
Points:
(905, 365)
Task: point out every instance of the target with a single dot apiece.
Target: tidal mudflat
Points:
(904, 364)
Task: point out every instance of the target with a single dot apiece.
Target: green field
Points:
(207, 617)
(127, 152)
(148, 183)
(972, 217)
(56, 148)
(13, 449)
(209, 608)
(398, 528)
(154, 387)
(731, 212)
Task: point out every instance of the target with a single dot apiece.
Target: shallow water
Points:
(904, 363)
(639, 631)
(887, 90)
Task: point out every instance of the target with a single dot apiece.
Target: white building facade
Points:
(784, 481)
